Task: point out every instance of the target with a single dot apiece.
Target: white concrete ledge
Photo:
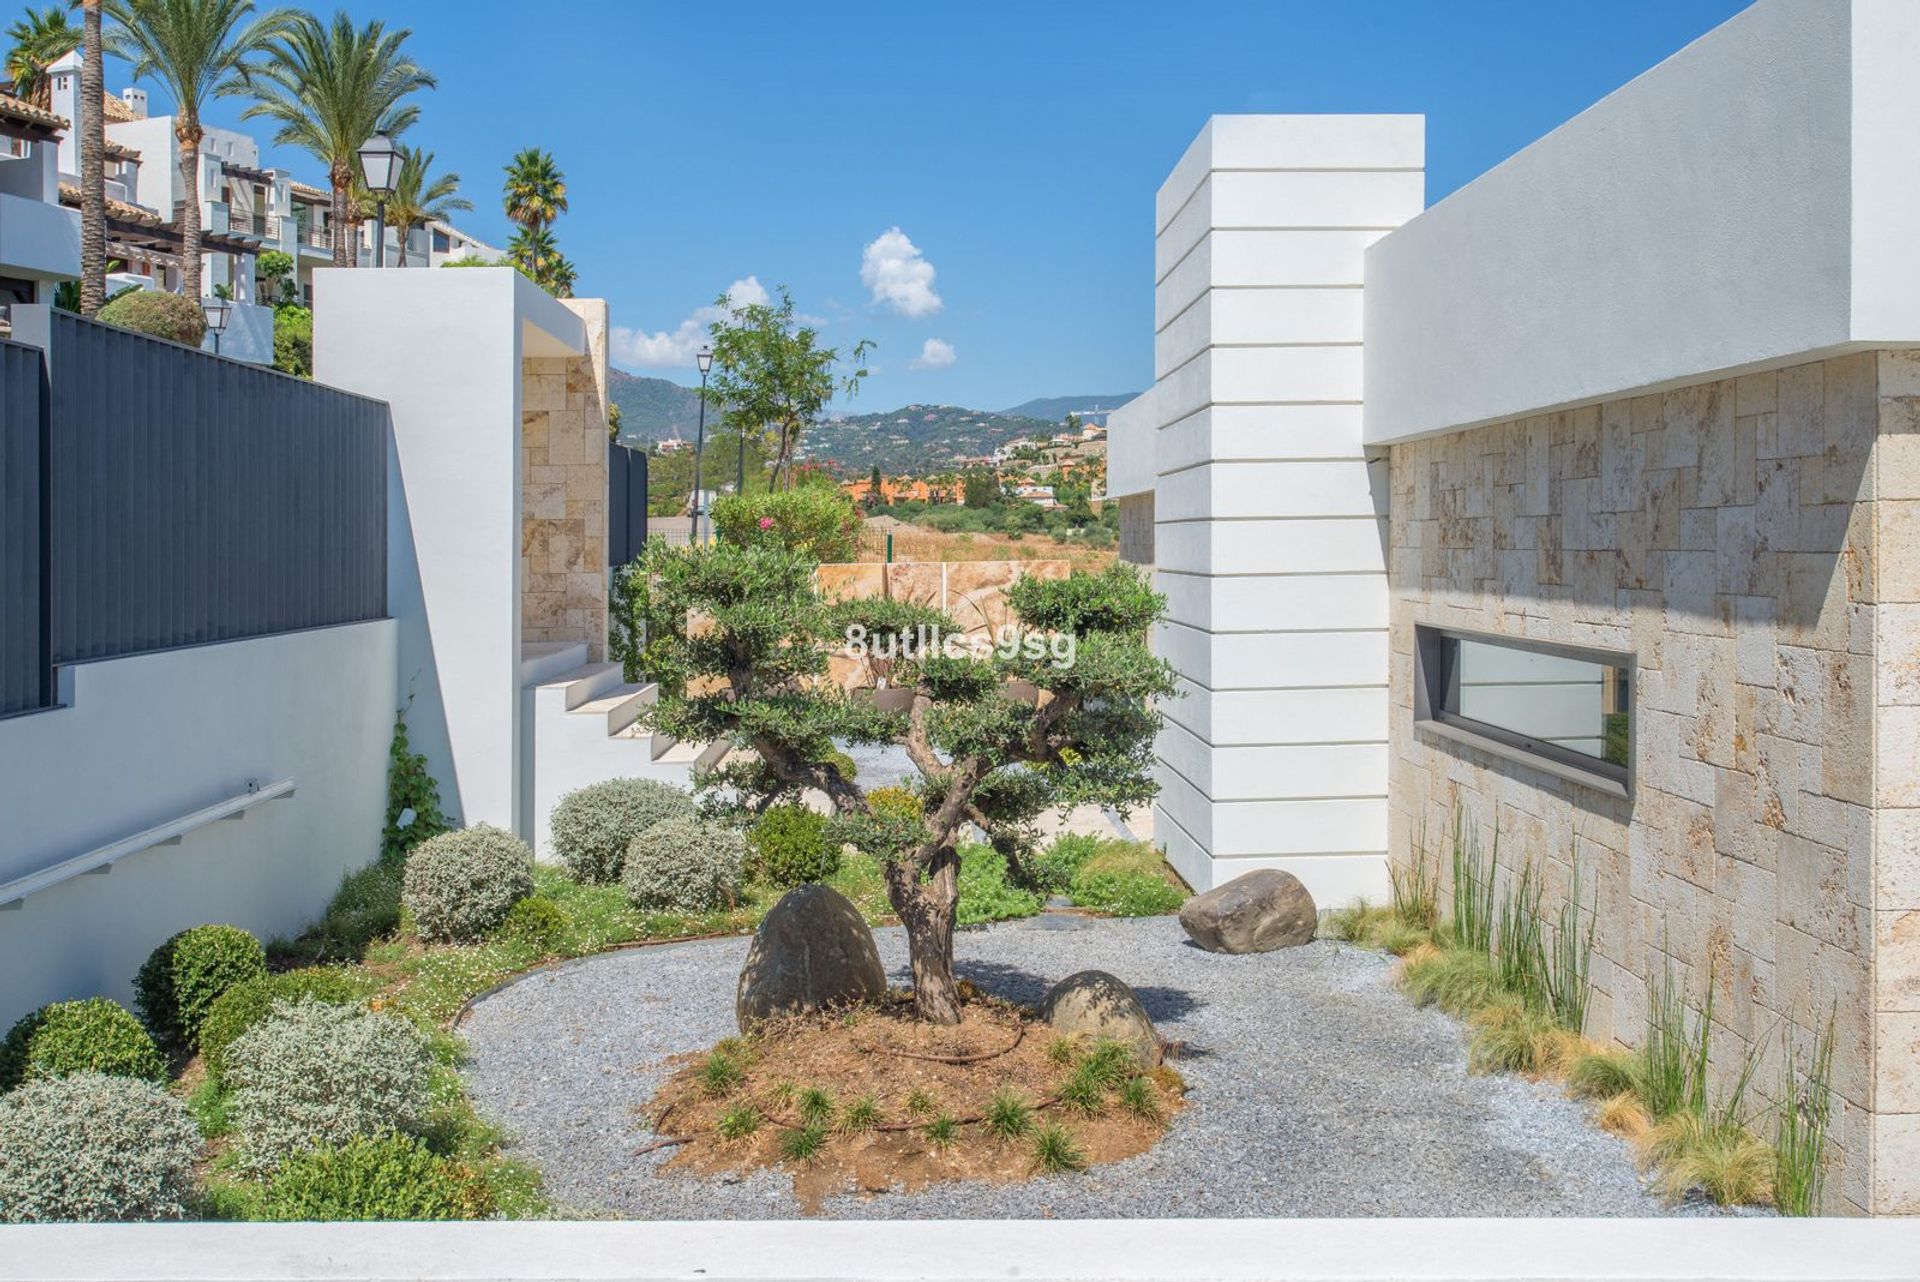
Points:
(960, 1251)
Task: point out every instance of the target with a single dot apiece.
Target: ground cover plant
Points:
(873, 1097)
(1521, 981)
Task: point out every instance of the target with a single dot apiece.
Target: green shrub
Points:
(896, 803)
(95, 1035)
(985, 892)
(687, 864)
(94, 1148)
(1055, 867)
(248, 1003)
(162, 315)
(536, 922)
(293, 341)
(593, 826)
(364, 909)
(315, 1074)
(818, 521)
(393, 1177)
(1128, 879)
(790, 847)
(179, 981)
(460, 885)
(413, 796)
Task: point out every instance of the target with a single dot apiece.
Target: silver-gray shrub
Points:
(460, 885)
(315, 1073)
(688, 864)
(593, 826)
(94, 1148)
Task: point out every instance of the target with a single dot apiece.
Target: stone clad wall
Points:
(563, 512)
(1136, 528)
(1727, 535)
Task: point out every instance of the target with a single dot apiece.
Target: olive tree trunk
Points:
(926, 906)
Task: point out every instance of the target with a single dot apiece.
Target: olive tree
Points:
(1055, 710)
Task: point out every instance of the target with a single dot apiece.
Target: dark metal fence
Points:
(626, 503)
(193, 500)
(26, 657)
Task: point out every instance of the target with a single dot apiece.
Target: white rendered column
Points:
(1270, 521)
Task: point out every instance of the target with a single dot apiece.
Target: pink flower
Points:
(766, 523)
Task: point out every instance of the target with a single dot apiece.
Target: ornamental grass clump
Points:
(95, 1035)
(394, 1177)
(316, 1074)
(593, 826)
(1800, 1136)
(460, 885)
(182, 978)
(1127, 879)
(689, 865)
(95, 1148)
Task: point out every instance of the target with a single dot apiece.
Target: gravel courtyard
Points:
(1316, 1089)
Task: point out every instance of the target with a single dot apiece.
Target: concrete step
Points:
(584, 684)
(541, 661)
(621, 705)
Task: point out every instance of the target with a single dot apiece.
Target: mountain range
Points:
(914, 439)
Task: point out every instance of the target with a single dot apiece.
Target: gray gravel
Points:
(1317, 1089)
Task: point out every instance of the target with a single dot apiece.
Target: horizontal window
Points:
(1563, 709)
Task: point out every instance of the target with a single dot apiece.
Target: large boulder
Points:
(1254, 913)
(812, 951)
(1093, 1004)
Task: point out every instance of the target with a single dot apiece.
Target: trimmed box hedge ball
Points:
(179, 981)
(95, 1035)
(95, 1148)
(593, 826)
(163, 315)
(790, 847)
(460, 885)
(686, 864)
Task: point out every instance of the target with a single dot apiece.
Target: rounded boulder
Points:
(1254, 913)
(812, 951)
(1093, 1005)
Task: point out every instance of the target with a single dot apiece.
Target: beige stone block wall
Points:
(563, 511)
(1755, 544)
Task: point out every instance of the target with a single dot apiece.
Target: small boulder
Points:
(1254, 913)
(1093, 1004)
(810, 952)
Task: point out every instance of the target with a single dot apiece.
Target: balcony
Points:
(38, 240)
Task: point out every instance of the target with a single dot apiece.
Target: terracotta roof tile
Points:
(20, 111)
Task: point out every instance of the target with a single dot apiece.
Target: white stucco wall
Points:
(149, 739)
(1745, 204)
(1269, 528)
(443, 349)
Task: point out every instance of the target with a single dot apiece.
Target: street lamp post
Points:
(705, 359)
(380, 162)
(216, 309)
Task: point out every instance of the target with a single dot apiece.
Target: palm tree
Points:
(421, 198)
(532, 250)
(41, 37)
(197, 49)
(536, 190)
(93, 160)
(333, 86)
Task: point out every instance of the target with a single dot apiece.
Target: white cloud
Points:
(675, 348)
(899, 275)
(935, 353)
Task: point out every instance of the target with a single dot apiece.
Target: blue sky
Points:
(1016, 147)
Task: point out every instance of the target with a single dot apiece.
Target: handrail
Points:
(102, 860)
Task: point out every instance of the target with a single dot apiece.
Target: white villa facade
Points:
(1577, 507)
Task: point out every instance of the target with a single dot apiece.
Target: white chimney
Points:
(136, 101)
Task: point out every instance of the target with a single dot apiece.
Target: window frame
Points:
(1430, 714)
